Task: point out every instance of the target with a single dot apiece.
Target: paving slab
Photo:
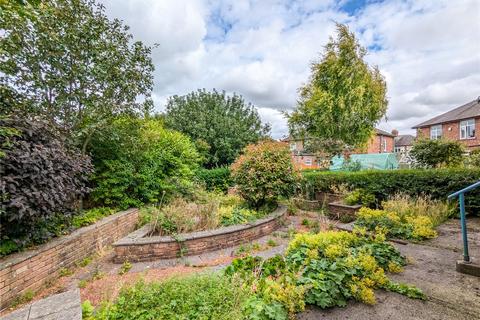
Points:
(63, 306)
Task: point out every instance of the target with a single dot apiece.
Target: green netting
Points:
(382, 161)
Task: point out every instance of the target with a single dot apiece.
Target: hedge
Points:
(216, 179)
(438, 183)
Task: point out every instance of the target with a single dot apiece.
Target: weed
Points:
(126, 266)
(82, 283)
(85, 262)
(272, 243)
(65, 272)
(23, 298)
(305, 222)
(87, 310)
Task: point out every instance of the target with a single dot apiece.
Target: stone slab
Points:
(63, 306)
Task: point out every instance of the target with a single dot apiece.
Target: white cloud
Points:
(427, 50)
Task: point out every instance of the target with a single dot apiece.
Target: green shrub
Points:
(207, 296)
(359, 196)
(437, 153)
(435, 183)
(91, 216)
(264, 173)
(137, 160)
(217, 179)
(473, 159)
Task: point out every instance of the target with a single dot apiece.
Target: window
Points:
(293, 146)
(436, 132)
(308, 162)
(384, 144)
(398, 149)
(467, 129)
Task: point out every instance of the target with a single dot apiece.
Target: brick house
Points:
(381, 142)
(458, 124)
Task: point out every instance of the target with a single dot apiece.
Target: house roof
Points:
(383, 133)
(468, 110)
(404, 140)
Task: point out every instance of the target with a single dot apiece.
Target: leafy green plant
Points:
(65, 272)
(325, 269)
(23, 298)
(216, 179)
(126, 266)
(205, 296)
(138, 162)
(360, 196)
(82, 283)
(264, 173)
(87, 310)
(272, 243)
(404, 226)
(85, 262)
(91, 216)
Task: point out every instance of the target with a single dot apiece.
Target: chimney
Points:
(395, 132)
(478, 99)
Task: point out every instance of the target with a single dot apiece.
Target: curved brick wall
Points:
(29, 270)
(137, 247)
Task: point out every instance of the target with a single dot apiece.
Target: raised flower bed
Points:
(139, 246)
(343, 212)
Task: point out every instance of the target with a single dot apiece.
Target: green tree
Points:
(221, 125)
(68, 63)
(343, 100)
(437, 153)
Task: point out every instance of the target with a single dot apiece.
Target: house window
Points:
(467, 129)
(436, 132)
(293, 146)
(384, 145)
(398, 149)
(308, 162)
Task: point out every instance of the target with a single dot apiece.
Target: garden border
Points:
(136, 247)
(30, 270)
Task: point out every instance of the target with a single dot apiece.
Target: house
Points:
(403, 146)
(403, 143)
(381, 142)
(458, 124)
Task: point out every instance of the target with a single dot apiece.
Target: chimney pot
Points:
(395, 132)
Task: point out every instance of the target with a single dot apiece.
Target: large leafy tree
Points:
(221, 125)
(66, 62)
(343, 99)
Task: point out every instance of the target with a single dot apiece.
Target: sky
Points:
(428, 51)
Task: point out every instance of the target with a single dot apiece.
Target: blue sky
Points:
(427, 50)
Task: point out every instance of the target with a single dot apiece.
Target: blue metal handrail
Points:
(463, 222)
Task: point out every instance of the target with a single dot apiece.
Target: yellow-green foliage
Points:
(325, 269)
(423, 205)
(404, 226)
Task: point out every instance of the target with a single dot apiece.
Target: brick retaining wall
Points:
(138, 247)
(29, 270)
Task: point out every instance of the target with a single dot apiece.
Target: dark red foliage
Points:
(41, 179)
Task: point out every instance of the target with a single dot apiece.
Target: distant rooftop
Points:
(468, 110)
(383, 133)
(404, 140)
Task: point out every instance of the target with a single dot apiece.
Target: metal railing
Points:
(461, 199)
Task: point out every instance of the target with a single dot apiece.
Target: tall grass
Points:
(405, 205)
